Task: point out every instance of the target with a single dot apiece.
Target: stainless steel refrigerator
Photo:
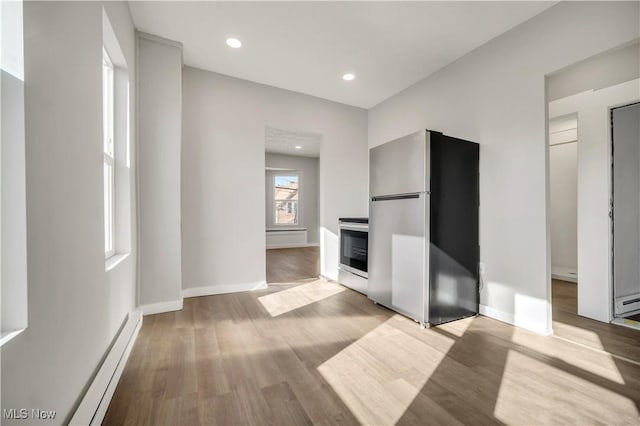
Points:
(423, 227)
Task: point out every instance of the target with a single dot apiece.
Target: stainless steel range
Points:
(353, 269)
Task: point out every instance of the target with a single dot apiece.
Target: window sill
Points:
(286, 228)
(9, 334)
(115, 260)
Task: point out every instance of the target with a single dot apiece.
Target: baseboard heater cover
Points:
(96, 400)
(627, 304)
(286, 238)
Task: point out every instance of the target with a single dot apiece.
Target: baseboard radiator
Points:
(627, 304)
(95, 401)
(286, 238)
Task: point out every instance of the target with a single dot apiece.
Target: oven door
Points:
(354, 245)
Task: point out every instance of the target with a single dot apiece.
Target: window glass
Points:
(286, 200)
(109, 153)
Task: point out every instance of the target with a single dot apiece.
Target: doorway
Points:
(292, 164)
(563, 183)
(589, 91)
(625, 188)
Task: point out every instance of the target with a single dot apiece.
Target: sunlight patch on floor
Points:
(578, 355)
(457, 328)
(299, 296)
(379, 375)
(547, 398)
(580, 334)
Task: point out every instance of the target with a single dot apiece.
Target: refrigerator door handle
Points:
(396, 197)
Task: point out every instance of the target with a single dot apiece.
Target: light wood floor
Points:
(292, 264)
(312, 352)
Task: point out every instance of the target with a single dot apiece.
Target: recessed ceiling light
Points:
(298, 147)
(348, 77)
(234, 42)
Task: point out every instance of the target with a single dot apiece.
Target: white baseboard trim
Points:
(95, 401)
(325, 278)
(515, 320)
(328, 277)
(565, 277)
(222, 289)
(292, 245)
(564, 273)
(161, 307)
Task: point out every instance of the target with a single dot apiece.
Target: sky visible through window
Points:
(287, 180)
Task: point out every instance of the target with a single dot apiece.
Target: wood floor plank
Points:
(292, 264)
(220, 410)
(285, 407)
(304, 351)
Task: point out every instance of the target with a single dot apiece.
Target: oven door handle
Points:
(355, 227)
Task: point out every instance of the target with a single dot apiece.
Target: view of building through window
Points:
(109, 152)
(286, 200)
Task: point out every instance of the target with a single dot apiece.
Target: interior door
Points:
(626, 208)
(397, 267)
(453, 231)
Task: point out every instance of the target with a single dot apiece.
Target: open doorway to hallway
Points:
(563, 184)
(625, 195)
(292, 160)
(582, 99)
(286, 265)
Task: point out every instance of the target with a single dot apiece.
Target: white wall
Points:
(159, 134)
(223, 197)
(563, 184)
(594, 191)
(600, 71)
(75, 307)
(563, 181)
(495, 95)
(309, 173)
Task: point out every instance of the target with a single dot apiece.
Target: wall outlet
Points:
(481, 268)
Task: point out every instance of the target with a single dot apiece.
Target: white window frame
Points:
(274, 202)
(108, 117)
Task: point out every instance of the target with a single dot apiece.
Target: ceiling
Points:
(281, 141)
(307, 46)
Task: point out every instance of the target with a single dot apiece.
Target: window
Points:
(109, 153)
(13, 238)
(286, 199)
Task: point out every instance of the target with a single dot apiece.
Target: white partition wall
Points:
(223, 157)
(159, 133)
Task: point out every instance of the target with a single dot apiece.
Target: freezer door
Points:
(397, 267)
(399, 166)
